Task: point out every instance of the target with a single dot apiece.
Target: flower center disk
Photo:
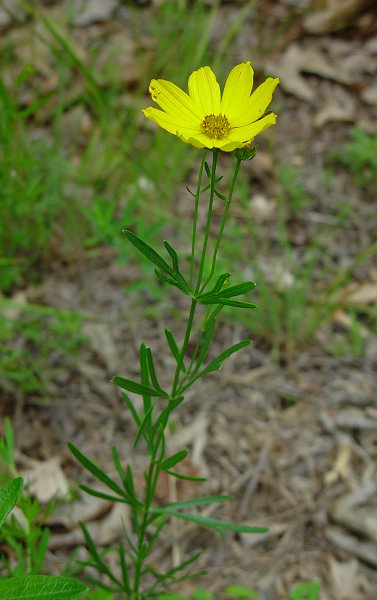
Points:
(216, 126)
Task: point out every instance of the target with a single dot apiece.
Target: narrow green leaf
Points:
(118, 466)
(237, 290)
(95, 470)
(173, 347)
(142, 425)
(168, 280)
(153, 376)
(173, 460)
(8, 497)
(163, 417)
(197, 502)
(131, 408)
(101, 565)
(133, 386)
(208, 170)
(217, 524)
(41, 587)
(190, 192)
(216, 288)
(88, 490)
(215, 364)
(217, 180)
(148, 252)
(186, 477)
(220, 195)
(226, 302)
(124, 568)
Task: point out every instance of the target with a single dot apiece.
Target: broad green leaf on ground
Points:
(8, 497)
(41, 587)
(242, 593)
(308, 590)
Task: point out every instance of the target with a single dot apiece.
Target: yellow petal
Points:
(171, 123)
(256, 105)
(237, 90)
(175, 101)
(205, 91)
(245, 134)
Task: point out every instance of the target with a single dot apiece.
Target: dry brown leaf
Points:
(337, 14)
(360, 294)
(298, 59)
(345, 578)
(95, 11)
(46, 480)
(342, 468)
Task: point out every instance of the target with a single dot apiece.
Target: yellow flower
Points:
(206, 119)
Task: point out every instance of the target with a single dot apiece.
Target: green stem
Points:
(209, 216)
(195, 220)
(184, 348)
(225, 216)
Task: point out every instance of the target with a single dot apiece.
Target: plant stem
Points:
(225, 215)
(195, 219)
(184, 348)
(209, 215)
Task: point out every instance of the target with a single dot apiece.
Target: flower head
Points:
(207, 119)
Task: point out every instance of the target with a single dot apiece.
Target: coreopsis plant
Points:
(214, 123)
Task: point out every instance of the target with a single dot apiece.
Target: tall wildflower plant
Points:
(214, 123)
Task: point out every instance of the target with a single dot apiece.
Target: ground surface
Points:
(290, 429)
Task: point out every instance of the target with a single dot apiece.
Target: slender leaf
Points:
(8, 497)
(220, 195)
(217, 524)
(186, 477)
(101, 565)
(131, 408)
(173, 347)
(148, 252)
(237, 290)
(88, 490)
(95, 470)
(168, 280)
(152, 373)
(173, 460)
(142, 425)
(198, 502)
(226, 302)
(133, 386)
